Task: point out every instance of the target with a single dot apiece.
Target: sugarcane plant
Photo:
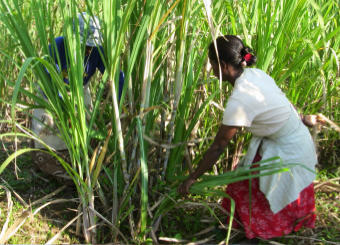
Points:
(131, 153)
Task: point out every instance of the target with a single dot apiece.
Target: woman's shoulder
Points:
(255, 83)
(256, 72)
(256, 77)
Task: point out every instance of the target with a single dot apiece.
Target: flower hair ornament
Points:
(245, 59)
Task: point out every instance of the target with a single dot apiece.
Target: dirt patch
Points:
(27, 185)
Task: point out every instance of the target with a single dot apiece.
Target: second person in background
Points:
(42, 122)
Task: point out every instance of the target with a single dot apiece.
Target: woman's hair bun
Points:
(231, 50)
(247, 56)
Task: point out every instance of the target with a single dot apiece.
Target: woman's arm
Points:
(224, 135)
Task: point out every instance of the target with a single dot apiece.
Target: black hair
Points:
(232, 51)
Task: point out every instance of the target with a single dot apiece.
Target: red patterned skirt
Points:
(259, 220)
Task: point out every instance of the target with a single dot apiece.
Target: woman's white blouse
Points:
(257, 104)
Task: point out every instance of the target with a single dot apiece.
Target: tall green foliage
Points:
(169, 98)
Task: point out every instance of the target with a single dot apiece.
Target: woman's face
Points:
(229, 73)
(215, 68)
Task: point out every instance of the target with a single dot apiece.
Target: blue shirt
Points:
(92, 62)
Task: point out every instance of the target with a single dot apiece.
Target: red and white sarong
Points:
(258, 220)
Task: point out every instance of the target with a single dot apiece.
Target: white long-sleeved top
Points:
(257, 104)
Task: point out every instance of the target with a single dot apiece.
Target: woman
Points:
(280, 203)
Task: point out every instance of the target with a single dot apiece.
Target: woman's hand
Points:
(312, 120)
(183, 189)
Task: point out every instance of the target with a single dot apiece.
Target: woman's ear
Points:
(224, 66)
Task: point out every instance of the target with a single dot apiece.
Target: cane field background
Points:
(128, 157)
